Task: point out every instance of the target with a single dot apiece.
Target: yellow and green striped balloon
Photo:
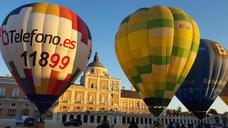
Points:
(156, 48)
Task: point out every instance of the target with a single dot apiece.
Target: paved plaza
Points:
(48, 124)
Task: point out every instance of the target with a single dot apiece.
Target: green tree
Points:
(212, 112)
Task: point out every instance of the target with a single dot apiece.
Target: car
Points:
(20, 120)
(74, 122)
(30, 122)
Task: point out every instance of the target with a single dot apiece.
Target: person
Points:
(104, 124)
(170, 125)
(133, 124)
(40, 123)
(182, 126)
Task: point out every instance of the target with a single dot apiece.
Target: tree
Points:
(212, 112)
(178, 109)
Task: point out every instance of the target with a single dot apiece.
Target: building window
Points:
(26, 105)
(2, 92)
(128, 120)
(71, 117)
(64, 108)
(141, 120)
(131, 106)
(138, 104)
(170, 120)
(137, 120)
(92, 85)
(79, 117)
(13, 105)
(15, 93)
(102, 99)
(92, 71)
(145, 120)
(92, 119)
(98, 119)
(12, 112)
(64, 117)
(85, 119)
(150, 121)
(166, 121)
(123, 120)
(25, 112)
(66, 97)
(91, 99)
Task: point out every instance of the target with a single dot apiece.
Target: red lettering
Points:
(5, 40)
(69, 44)
(66, 43)
(73, 43)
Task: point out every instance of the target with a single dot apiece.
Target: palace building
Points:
(98, 93)
(98, 96)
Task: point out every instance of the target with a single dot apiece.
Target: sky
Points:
(103, 18)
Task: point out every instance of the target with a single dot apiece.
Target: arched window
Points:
(85, 119)
(98, 119)
(79, 117)
(141, 120)
(128, 120)
(124, 120)
(71, 117)
(114, 120)
(145, 120)
(91, 85)
(105, 118)
(137, 120)
(64, 118)
(166, 121)
(133, 118)
(92, 119)
(150, 121)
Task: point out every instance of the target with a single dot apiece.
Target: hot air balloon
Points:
(224, 94)
(45, 46)
(156, 48)
(206, 78)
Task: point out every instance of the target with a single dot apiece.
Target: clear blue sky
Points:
(104, 16)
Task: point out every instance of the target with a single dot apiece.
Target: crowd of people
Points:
(133, 124)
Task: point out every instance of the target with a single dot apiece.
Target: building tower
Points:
(97, 91)
(102, 90)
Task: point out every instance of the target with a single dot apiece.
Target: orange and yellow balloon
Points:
(224, 94)
(156, 48)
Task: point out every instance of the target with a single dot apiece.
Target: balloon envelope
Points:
(156, 48)
(224, 94)
(45, 46)
(206, 78)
